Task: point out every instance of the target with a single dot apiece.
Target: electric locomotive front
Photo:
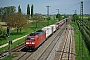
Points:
(35, 39)
(30, 41)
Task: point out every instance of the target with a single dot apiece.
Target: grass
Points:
(0, 20)
(78, 38)
(12, 46)
(84, 16)
(14, 35)
(8, 58)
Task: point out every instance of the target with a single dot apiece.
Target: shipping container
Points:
(48, 30)
(53, 27)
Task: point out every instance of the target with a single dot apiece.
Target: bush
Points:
(2, 33)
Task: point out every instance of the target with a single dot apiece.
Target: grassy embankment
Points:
(78, 42)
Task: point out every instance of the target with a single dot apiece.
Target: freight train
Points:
(35, 39)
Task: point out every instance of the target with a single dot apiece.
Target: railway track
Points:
(66, 51)
(16, 49)
(19, 47)
(66, 48)
(24, 56)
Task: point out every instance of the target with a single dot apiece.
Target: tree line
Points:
(14, 19)
(6, 10)
(12, 9)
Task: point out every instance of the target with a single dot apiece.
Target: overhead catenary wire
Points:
(65, 9)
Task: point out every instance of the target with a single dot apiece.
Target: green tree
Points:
(65, 16)
(16, 20)
(59, 16)
(75, 17)
(28, 11)
(0, 11)
(9, 9)
(6, 10)
(88, 18)
(19, 9)
(49, 18)
(32, 10)
(38, 19)
(2, 33)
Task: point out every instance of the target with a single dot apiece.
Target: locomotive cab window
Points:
(30, 38)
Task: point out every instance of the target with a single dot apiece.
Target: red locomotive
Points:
(35, 39)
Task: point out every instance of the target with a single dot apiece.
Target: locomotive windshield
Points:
(30, 38)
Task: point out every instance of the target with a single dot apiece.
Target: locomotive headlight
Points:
(27, 42)
(33, 43)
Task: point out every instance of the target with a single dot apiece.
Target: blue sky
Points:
(40, 5)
